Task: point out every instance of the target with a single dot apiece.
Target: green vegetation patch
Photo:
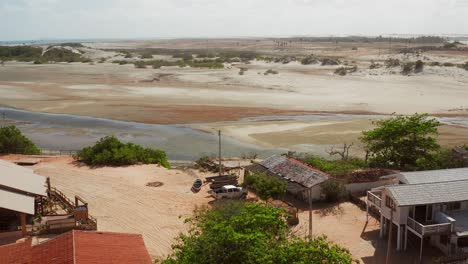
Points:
(240, 232)
(399, 142)
(63, 55)
(109, 151)
(156, 64)
(265, 186)
(334, 167)
(13, 141)
(20, 53)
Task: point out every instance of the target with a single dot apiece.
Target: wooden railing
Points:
(61, 196)
(428, 229)
(374, 199)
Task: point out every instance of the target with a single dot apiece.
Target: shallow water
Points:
(71, 132)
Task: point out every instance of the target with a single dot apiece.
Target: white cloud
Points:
(30, 19)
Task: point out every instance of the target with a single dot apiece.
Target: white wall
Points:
(366, 186)
(400, 215)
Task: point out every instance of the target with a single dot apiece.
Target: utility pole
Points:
(219, 156)
(389, 243)
(310, 214)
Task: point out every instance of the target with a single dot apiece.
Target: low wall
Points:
(9, 237)
(366, 186)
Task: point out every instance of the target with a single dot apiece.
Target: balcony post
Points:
(367, 209)
(406, 237)
(399, 238)
(381, 225)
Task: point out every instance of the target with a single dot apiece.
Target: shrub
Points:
(441, 159)
(334, 167)
(390, 63)
(374, 65)
(110, 151)
(21, 53)
(464, 66)
(407, 68)
(13, 141)
(333, 190)
(62, 55)
(309, 60)
(450, 45)
(418, 66)
(448, 64)
(341, 71)
(40, 61)
(435, 63)
(242, 70)
(140, 65)
(270, 71)
(265, 186)
(330, 61)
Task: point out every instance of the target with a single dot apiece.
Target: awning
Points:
(17, 202)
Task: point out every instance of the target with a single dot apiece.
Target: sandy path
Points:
(121, 202)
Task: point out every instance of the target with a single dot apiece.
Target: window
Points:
(453, 206)
(389, 202)
(444, 239)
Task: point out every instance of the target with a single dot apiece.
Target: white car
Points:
(229, 192)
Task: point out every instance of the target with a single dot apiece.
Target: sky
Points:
(88, 19)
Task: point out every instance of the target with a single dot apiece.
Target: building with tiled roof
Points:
(300, 177)
(79, 247)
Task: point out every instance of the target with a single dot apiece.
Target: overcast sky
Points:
(58, 19)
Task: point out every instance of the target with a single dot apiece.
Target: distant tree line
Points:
(38, 56)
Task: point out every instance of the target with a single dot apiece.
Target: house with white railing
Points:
(432, 205)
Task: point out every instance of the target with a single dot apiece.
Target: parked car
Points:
(229, 192)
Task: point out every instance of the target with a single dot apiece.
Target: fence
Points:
(45, 152)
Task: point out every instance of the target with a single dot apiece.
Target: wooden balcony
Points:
(374, 198)
(427, 230)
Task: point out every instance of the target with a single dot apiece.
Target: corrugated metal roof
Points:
(17, 202)
(293, 187)
(429, 193)
(23, 179)
(294, 171)
(434, 176)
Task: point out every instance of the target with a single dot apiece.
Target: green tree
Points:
(265, 186)
(239, 232)
(109, 151)
(13, 141)
(400, 141)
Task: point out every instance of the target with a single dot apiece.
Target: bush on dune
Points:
(13, 141)
(110, 151)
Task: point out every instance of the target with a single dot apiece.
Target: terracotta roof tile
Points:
(79, 247)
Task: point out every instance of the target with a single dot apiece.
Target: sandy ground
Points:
(187, 95)
(317, 136)
(121, 202)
